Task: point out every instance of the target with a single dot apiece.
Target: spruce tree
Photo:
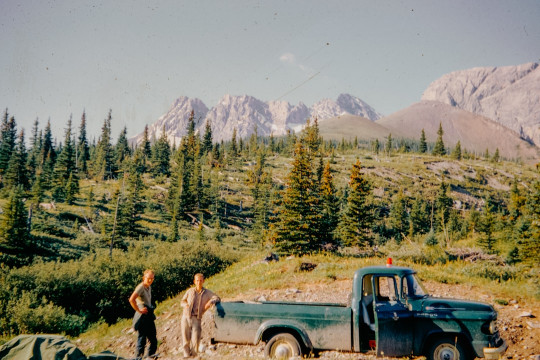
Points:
(330, 207)
(65, 168)
(233, 152)
(298, 229)
(439, 149)
(103, 158)
(398, 217)
(8, 135)
(122, 151)
(161, 154)
(388, 146)
(423, 144)
(33, 160)
(83, 150)
(456, 154)
(48, 153)
(419, 218)
(13, 223)
(259, 181)
(207, 142)
(496, 157)
(17, 172)
(357, 219)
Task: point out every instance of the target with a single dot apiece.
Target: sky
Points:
(59, 59)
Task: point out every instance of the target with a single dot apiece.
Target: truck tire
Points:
(448, 349)
(282, 346)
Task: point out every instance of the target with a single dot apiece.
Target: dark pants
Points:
(147, 330)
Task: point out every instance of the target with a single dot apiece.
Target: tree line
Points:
(307, 214)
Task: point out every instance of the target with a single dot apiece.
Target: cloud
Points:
(288, 58)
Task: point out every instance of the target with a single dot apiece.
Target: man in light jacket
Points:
(195, 303)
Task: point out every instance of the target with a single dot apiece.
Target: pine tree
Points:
(419, 218)
(298, 229)
(456, 154)
(398, 217)
(122, 151)
(259, 181)
(131, 204)
(330, 207)
(207, 142)
(33, 160)
(357, 219)
(439, 149)
(161, 154)
(233, 148)
(48, 152)
(65, 168)
(443, 204)
(13, 224)
(17, 172)
(83, 150)
(496, 157)
(8, 134)
(423, 144)
(103, 159)
(388, 146)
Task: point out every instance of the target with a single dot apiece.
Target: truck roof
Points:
(394, 270)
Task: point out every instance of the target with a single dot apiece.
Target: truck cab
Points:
(397, 317)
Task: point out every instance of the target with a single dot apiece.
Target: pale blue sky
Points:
(136, 57)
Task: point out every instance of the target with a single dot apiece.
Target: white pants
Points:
(191, 335)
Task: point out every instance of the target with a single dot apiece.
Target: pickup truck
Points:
(389, 312)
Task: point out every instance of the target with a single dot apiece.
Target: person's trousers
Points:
(147, 331)
(191, 334)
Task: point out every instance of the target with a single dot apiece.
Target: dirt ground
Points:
(518, 323)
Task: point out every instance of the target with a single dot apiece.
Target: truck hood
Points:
(433, 304)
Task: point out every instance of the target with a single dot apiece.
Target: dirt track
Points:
(518, 323)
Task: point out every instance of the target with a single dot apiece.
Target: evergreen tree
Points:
(388, 146)
(357, 219)
(34, 161)
(131, 204)
(423, 144)
(439, 149)
(398, 217)
(65, 168)
(298, 229)
(330, 207)
(161, 155)
(83, 150)
(103, 159)
(233, 147)
(259, 181)
(122, 151)
(443, 204)
(496, 157)
(207, 138)
(8, 135)
(456, 154)
(13, 224)
(48, 152)
(376, 147)
(17, 173)
(419, 218)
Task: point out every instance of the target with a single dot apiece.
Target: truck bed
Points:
(328, 325)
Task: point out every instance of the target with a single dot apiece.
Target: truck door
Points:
(395, 331)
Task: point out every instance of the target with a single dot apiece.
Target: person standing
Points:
(143, 321)
(195, 302)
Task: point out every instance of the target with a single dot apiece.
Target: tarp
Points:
(47, 347)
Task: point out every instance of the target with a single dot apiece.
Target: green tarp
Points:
(47, 347)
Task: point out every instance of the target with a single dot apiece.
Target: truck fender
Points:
(288, 327)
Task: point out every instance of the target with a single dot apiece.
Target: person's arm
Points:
(133, 302)
(213, 301)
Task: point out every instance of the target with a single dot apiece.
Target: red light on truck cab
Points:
(388, 262)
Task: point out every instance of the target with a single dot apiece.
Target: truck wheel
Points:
(447, 349)
(282, 346)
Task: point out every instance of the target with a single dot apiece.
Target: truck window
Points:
(386, 288)
(366, 285)
(412, 287)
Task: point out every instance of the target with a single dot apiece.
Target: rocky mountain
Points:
(509, 95)
(476, 133)
(247, 114)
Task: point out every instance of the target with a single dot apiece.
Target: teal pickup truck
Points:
(389, 312)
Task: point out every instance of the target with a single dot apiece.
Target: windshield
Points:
(412, 287)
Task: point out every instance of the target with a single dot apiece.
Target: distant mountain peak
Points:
(246, 113)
